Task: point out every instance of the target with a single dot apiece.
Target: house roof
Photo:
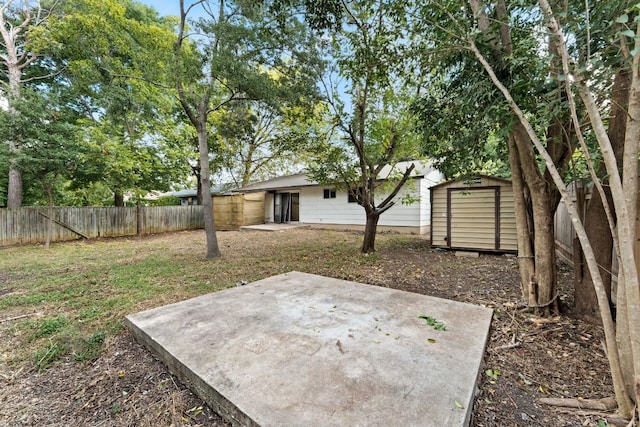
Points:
(303, 180)
(193, 192)
(289, 181)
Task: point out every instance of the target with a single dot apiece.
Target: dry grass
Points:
(69, 299)
(62, 310)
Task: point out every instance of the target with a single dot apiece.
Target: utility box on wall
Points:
(474, 214)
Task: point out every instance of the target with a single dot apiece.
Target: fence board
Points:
(27, 225)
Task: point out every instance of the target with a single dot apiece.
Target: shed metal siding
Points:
(472, 218)
(476, 216)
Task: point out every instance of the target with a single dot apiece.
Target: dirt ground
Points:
(526, 358)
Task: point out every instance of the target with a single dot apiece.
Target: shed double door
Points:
(473, 220)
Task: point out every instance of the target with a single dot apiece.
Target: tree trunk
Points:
(370, 230)
(118, 199)
(50, 219)
(543, 230)
(196, 173)
(14, 189)
(599, 233)
(545, 251)
(596, 222)
(538, 274)
(213, 251)
(525, 251)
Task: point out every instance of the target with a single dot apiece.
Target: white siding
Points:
(268, 207)
(315, 209)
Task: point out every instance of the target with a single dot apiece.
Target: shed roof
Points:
(442, 184)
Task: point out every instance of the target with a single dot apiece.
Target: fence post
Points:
(138, 218)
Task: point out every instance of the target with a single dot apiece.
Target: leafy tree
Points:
(376, 131)
(113, 55)
(49, 150)
(459, 131)
(572, 66)
(257, 141)
(476, 110)
(231, 56)
(20, 22)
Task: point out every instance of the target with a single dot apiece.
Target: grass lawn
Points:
(68, 300)
(65, 360)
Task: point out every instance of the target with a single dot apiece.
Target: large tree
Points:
(523, 65)
(238, 52)
(20, 21)
(572, 66)
(369, 109)
(258, 141)
(114, 57)
(50, 152)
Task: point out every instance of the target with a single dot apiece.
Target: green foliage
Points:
(116, 56)
(166, 201)
(91, 347)
(433, 322)
(375, 127)
(48, 146)
(48, 355)
(256, 141)
(48, 326)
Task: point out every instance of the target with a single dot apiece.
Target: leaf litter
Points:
(527, 358)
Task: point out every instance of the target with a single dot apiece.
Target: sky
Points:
(165, 7)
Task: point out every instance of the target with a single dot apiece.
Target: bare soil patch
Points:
(526, 358)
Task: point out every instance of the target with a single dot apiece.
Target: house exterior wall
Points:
(478, 215)
(268, 208)
(317, 211)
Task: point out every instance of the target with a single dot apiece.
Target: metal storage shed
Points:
(474, 214)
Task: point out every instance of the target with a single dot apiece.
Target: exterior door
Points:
(286, 207)
(473, 220)
(295, 207)
(285, 211)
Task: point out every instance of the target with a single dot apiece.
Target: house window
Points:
(351, 198)
(329, 194)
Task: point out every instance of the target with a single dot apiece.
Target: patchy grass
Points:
(71, 298)
(62, 308)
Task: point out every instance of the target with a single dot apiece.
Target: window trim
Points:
(329, 193)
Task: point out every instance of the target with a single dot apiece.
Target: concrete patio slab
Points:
(305, 350)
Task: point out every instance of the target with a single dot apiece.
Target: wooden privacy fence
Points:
(566, 241)
(29, 225)
(237, 210)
